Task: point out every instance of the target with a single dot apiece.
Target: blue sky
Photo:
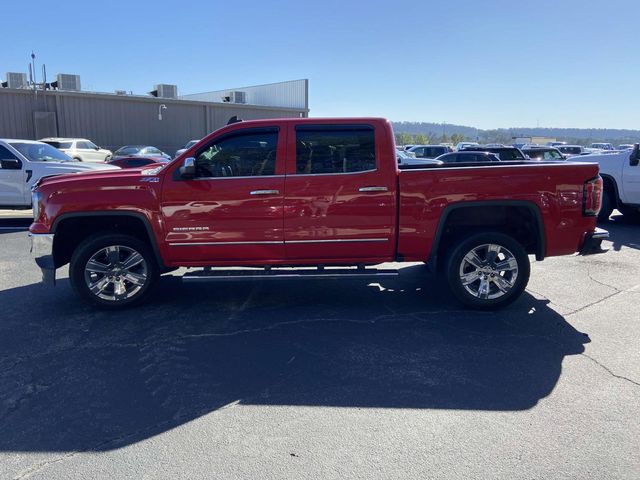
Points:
(487, 64)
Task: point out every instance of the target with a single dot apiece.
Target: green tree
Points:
(421, 139)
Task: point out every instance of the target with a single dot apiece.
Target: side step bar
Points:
(272, 274)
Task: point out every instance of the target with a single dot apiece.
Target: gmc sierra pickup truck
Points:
(325, 194)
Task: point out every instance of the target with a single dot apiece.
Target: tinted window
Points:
(335, 150)
(151, 151)
(128, 151)
(85, 145)
(433, 152)
(5, 154)
(40, 152)
(60, 145)
(508, 154)
(571, 150)
(241, 155)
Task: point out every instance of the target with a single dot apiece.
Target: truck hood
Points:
(71, 167)
(104, 174)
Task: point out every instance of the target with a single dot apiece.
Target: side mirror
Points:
(188, 168)
(634, 159)
(11, 164)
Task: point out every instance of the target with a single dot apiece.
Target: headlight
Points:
(36, 198)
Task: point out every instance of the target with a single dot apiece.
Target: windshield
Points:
(507, 153)
(41, 152)
(128, 150)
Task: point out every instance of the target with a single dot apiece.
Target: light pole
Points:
(161, 107)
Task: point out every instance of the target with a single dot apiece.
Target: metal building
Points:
(114, 120)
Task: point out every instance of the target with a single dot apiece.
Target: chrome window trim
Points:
(325, 174)
(244, 176)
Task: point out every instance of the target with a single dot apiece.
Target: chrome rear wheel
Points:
(488, 271)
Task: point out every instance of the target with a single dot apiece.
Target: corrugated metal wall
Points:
(290, 94)
(112, 121)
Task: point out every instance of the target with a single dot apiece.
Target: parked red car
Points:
(312, 192)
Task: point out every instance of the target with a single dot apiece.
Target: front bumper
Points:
(593, 242)
(42, 252)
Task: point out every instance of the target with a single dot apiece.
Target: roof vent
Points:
(165, 91)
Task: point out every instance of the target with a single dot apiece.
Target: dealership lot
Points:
(324, 379)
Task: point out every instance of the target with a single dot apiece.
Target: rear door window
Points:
(334, 149)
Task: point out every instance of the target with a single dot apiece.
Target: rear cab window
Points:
(334, 149)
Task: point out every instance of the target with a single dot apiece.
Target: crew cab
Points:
(324, 196)
(23, 162)
(620, 172)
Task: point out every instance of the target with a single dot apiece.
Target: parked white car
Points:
(23, 162)
(620, 172)
(463, 145)
(602, 146)
(79, 149)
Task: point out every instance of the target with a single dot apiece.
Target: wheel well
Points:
(610, 186)
(70, 232)
(521, 222)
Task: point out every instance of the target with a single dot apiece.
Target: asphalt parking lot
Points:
(325, 379)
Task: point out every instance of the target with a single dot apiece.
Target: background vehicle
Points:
(543, 153)
(468, 157)
(502, 152)
(405, 159)
(620, 173)
(23, 162)
(602, 146)
(323, 193)
(573, 150)
(186, 147)
(139, 151)
(625, 146)
(137, 162)
(428, 151)
(463, 145)
(555, 144)
(79, 149)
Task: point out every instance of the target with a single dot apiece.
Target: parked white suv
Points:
(23, 162)
(620, 172)
(79, 149)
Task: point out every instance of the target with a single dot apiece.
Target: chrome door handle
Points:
(265, 192)
(373, 189)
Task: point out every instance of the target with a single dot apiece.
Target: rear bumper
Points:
(593, 242)
(42, 252)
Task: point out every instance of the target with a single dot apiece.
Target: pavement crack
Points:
(610, 372)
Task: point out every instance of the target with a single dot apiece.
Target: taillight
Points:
(592, 197)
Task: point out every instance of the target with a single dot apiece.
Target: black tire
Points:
(143, 274)
(607, 207)
(504, 286)
(630, 213)
(77, 159)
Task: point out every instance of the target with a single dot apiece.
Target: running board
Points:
(273, 274)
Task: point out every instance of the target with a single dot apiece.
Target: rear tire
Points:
(113, 270)
(607, 206)
(487, 270)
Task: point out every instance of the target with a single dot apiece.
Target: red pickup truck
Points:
(320, 193)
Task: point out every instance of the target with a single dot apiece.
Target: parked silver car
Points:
(186, 147)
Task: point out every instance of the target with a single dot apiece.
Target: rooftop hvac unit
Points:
(121, 92)
(16, 80)
(164, 90)
(238, 97)
(65, 81)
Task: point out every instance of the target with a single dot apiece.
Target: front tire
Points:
(488, 270)
(113, 270)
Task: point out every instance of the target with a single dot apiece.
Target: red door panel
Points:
(232, 213)
(349, 215)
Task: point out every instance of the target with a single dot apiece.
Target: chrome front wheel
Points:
(115, 273)
(113, 270)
